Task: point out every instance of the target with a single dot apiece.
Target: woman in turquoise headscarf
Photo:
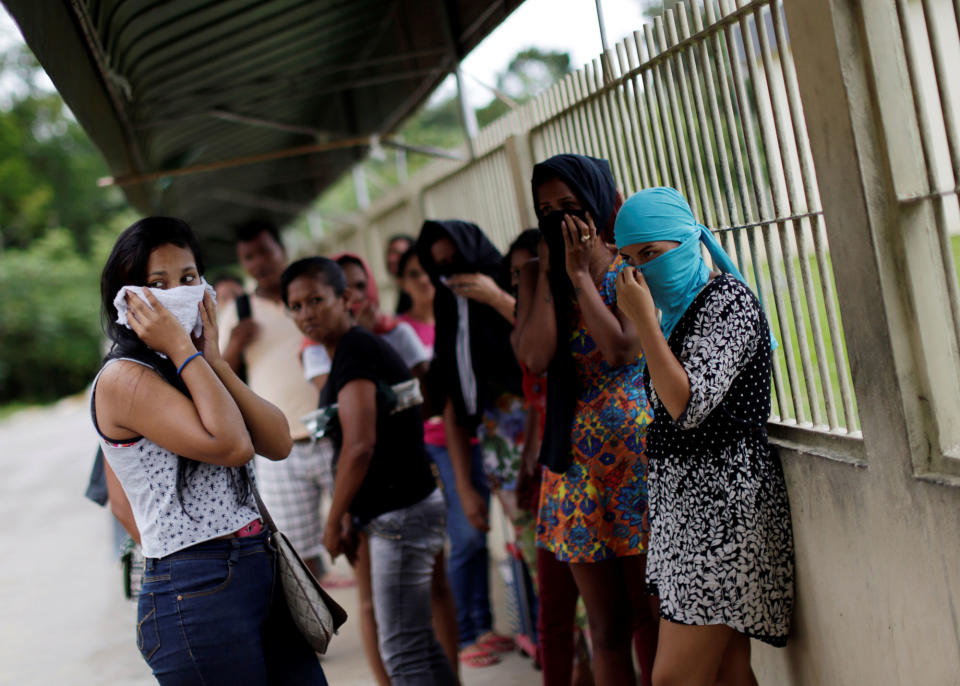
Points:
(721, 544)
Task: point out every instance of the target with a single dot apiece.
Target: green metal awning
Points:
(275, 99)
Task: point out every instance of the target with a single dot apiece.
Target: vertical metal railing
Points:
(704, 99)
(931, 35)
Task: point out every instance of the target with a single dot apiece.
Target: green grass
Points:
(798, 403)
(794, 403)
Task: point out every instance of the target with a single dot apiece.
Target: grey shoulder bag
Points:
(316, 614)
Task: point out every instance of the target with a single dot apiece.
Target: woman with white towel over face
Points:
(178, 430)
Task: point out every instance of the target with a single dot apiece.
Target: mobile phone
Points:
(243, 306)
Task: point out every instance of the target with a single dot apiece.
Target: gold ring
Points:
(584, 237)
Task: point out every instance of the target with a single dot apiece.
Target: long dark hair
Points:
(127, 266)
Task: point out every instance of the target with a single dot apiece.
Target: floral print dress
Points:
(597, 509)
(721, 543)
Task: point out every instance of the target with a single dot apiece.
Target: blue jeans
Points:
(404, 545)
(469, 564)
(214, 614)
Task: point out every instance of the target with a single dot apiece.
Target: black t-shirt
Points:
(399, 473)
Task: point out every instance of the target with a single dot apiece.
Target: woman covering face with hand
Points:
(721, 551)
(178, 429)
(593, 498)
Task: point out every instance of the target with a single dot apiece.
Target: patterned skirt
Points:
(597, 509)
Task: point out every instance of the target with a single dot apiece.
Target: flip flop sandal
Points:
(478, 658)
(497, 644)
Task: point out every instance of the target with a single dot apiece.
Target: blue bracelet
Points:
(186, 361)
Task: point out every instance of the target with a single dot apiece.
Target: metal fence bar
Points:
(789, 196)
(746, 123)
(603, 77)
(537, 143)
(672, 178)
(705, 99)
(740, 200)
(592, 107)
(726, 206)
(648, 112)
(578, 115)
(675, 120)
(621, 123)
(637, 178)
(590, 144)
(569, 131)
(818, 228)
(801, 200)
(693, 129)
(945, 52)
(550, 131)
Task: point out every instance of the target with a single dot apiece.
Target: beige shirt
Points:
(273, 361)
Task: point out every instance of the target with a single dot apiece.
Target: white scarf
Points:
(182, 301)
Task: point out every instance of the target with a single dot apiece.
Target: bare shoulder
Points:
(120, 379)
(121, 389)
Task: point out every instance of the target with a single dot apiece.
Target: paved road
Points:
(63, 619)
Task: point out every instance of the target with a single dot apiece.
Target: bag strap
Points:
(264, 512)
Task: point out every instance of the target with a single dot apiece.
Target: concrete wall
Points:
(877, 539)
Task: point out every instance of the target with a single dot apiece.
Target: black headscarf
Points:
(592, 182)
(494, 363)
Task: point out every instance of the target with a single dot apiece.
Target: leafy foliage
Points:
(56, 228)
(49, 333)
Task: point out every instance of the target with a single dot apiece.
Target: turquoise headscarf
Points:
(676, 276)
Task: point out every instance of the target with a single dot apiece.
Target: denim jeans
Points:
(214, 614)
(404, 545)
(469, 564)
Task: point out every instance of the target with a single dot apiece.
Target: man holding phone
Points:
(267, 342)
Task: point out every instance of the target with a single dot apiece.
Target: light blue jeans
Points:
(404, 545)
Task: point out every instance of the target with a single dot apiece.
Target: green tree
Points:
(48, 165)
(56, 228)
(531, 71)
(654, 8)
(49, 317)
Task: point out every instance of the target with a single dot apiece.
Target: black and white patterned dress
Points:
(721, 543)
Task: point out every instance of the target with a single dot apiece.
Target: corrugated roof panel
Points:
(194, 82)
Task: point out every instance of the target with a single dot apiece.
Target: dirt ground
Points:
(63, 618)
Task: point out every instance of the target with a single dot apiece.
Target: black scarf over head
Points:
(592, 182)
(494, 363)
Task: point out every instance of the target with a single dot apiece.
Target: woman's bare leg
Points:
(444, 613)
(690, 655)
(368, 623)
(603, 587)
(735, 669)
(646, 620)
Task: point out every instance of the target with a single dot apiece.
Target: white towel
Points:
(182, 301)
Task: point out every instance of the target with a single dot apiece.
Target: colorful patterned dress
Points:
(597, 509)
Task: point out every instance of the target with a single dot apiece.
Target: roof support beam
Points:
(298, 151)
(233, 162)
